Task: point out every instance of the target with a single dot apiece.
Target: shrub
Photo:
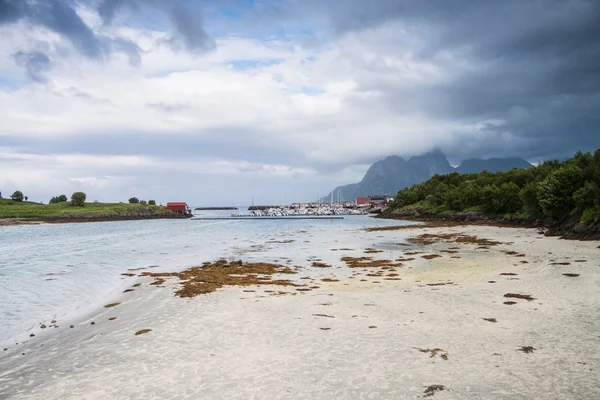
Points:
(530, 200)
(58, 199)
(133, 200)
(586, 196)
(17, 196)
(143, 202)
(555, 193)
(78, 199)
(152, 202)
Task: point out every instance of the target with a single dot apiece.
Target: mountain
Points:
(491, 165)
(393, 173)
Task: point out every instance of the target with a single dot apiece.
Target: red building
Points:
(363, 201)
(178, 206)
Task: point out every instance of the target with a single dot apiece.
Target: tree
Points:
(555, 193)
(133, 200)
(26, 198)
(152, 202)
(586, 196)
(58, 199)
(78, 199)
(530, 199)
(17, 196)
(510, 198)
(143, 202)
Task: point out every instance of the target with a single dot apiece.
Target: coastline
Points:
(66, 219)
(570, 228)
(357, 332)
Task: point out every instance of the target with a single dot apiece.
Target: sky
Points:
(216, 102)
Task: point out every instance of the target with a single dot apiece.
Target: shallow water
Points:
(64, 270)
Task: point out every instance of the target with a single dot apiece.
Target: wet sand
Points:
(513, 317)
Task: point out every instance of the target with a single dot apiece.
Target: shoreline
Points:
(570, 228)
(436, 321)
(82, 219)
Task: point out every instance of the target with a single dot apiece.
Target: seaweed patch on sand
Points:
(433, 389)
(431, 238)
(368, 262)
(434, 352)
(527, 349)
(317, 264)
(212, 276)
(519, 296)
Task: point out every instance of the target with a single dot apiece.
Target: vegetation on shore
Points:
(552, 190)
(24, 209)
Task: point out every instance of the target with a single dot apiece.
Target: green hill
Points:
(27, 209)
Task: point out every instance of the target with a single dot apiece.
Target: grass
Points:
(27, 209)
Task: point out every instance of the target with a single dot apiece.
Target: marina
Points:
(266, 217)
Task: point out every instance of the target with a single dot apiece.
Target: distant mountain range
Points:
(393, 173)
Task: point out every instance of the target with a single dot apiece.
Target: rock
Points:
(72, 326)
(43, 326)
(93, 323)
(32, 335)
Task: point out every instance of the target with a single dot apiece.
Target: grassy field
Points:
(27, 209)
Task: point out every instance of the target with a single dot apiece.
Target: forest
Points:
(553, 189)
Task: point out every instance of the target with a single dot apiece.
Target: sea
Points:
(64, 271)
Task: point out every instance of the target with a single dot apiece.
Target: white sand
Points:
(251, 345)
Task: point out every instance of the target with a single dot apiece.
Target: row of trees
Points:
(135, 200)
(552, 189)
(58, 199)
(77, 199)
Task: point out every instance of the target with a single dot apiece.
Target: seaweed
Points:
(527, 349)
(519, 296)
(433, 389)
(212, 276)
(434, 352)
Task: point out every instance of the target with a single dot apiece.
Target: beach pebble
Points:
(93, 323)
(72, 326)
(43, 326)
(32, 335)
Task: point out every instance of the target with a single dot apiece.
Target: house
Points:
(179, 206)
(363, 201)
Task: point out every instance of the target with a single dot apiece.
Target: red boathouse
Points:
(178, 206)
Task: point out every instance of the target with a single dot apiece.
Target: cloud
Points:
(186, 22)
(35, 63)
(286, 96)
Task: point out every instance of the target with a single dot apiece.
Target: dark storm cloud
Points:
(540, 57)
(35, 63)
(60, 17)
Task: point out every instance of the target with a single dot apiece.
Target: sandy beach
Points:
(462, 312)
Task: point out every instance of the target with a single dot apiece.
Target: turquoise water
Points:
(59, 271)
